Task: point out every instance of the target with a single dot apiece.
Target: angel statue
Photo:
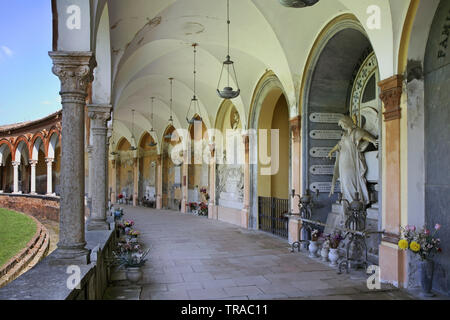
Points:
(350, 166)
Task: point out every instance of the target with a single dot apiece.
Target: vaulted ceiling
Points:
(151, 41)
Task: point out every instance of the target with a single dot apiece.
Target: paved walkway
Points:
(196, 258)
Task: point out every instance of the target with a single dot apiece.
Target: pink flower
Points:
(413, 228)
(427, 232)
(437, 226)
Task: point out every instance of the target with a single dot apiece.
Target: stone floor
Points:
(193, 258)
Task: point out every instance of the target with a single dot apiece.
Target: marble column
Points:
(49, 162)
(75, 71)
(16, 165)
(295, 126)
(392, 260)
(135, 181)
(246, 209)
(114, 181)
(212, 214)
(33, 164)
(159, 182)
(99, 115)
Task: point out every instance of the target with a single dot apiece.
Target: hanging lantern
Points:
(152, 143)
(228, 92)
(113, 143)
(169, 136)
(298, 3)
(133, 140)
(194, 100)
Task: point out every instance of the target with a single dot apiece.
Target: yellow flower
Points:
(403, 244)
(414, 246)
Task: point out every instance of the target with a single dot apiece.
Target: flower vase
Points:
(426, 269)
(333, 256)
(134, 274)
(313, 247)
(324, 254)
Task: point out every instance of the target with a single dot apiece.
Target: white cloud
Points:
(7, 51)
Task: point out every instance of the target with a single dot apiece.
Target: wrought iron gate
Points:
(271, 214)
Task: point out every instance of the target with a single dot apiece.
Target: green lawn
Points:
(16, 230)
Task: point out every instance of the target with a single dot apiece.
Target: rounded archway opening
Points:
(198, 169)
(172, 171)
(147, 169)
(343, 82)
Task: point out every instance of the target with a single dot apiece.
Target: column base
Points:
(18, 192)
(71, 256)
(244, 218)
(294, 227)
(158, 202)
(392, 263)
(93, 225)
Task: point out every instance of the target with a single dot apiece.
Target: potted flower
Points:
(325, 249)
(203, 209)
(132, 261)
(424, 245)
(133, 234)
(334, 241)
(313, 246)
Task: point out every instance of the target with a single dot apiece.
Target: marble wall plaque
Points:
(320, 152)
(324, 187)
(325, 117)
(321, 170)
(326, 134)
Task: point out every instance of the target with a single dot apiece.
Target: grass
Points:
(16, 230)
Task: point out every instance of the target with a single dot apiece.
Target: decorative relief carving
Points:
(74, 70)
(391, 93)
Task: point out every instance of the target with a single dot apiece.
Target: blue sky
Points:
(28, 89)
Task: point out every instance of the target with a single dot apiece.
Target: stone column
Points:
(212, 214)
(1, 178)
(135, 181)
(99, 115)
(75, 71)
(49, 162)
(296, 125)
(184, 181)
(33, 164)
(392, 260)
(159, 182)
(246, 209)
(91, 176)
(16, 165)
(114, 181)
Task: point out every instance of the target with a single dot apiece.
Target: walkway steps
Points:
(35, 251)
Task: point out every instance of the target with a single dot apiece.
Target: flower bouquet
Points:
(335, 239)
(203, 209)
(423, 244)
(133, 233)
(315, 235)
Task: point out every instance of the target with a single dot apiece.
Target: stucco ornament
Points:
(350, 167)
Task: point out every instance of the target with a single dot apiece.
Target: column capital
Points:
(212, 149)
(295, 125)
(99, 115)
(15, 163)
(33, 163)
(391, 93)
(75, 71)
(49, 160)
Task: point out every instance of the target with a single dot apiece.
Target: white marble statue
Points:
(350, 165)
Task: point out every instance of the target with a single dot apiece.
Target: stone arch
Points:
(21, 148)
(339, 53)
(268, 95)
(52, 144)
(6, 148)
